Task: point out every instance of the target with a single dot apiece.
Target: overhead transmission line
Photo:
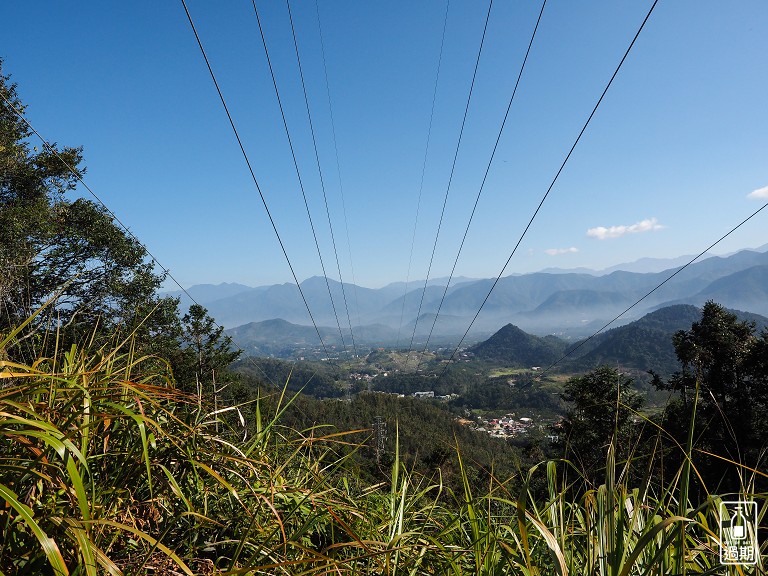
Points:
(338, 166)
(253, 174)
(573, 349)
(296, 163)
(450, 178)
(76, 173)
(423, 171)
(485, 177)
(322, 181)
(552, 184)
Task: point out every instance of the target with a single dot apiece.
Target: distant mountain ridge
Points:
(642, 265)
(568, 304)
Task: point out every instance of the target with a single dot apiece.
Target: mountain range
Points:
(569, 304)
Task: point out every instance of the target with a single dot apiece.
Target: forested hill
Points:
(645, 344)
(642, 345)
(513, 347)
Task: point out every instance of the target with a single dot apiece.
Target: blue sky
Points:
(664, 169)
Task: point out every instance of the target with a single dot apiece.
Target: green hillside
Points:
(511, 346)
(645, 344)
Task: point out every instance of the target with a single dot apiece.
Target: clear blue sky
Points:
(664, 169)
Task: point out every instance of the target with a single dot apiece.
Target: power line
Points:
(338, 166)
(450, 179)
(322, 181)
(77, 175)
(258, 188)
(423, 171)
(296, 167)
(253, 176)
(250, 169)
(552, 184)
(166, 272)
(485, 176)
(652, 290)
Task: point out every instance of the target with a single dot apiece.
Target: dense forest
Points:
(134, 439)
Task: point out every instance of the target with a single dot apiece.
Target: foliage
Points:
(642, 345)
(498, 394)
(604, 408)
(727, 360)
(71, 250)
(311, 378)
(93, 281)
(424, 433)
(409, 383)
(205, 353)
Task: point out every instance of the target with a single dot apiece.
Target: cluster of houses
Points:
(356, 376)
(504, 427)
(431, 394)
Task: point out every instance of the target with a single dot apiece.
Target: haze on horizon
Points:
(642, 265)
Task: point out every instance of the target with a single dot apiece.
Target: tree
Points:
(103, 286)
(70, 250)
(715, 350)
(726, 361)
(603, 410)
(205, 354)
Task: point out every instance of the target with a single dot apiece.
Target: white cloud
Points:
(601, 232)
(556, 251)
(759, 193)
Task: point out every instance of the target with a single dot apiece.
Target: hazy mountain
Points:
(446, 324)
(572, 304)
(580, 301)
(743, 290)
(415, 284)
(646, 265)
(643, 266)
(715, 278)
(279, 338)
(204, 294)
(377, 334)
(285, 301)
(579, 270)
(409, 304)
(209, 292)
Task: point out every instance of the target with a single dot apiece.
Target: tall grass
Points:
(106, 468)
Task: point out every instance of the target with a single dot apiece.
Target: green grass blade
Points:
(48, 545)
